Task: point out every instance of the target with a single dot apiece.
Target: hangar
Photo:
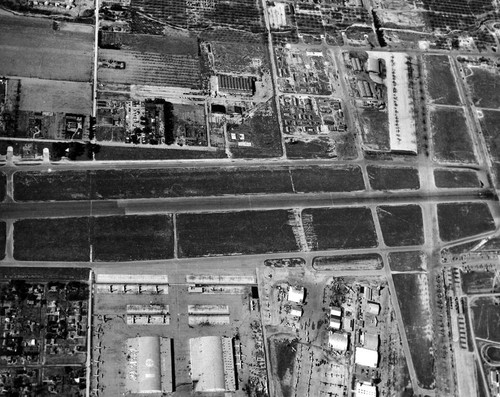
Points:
(212, 364)
(149, 360)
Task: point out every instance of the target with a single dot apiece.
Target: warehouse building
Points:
(212, 364)
(366, 357)
(149, 360)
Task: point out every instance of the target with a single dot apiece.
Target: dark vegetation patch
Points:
(3, 186)
(58, 239)
(45, 273)
(452, 141)
(479, 282)
(459, 220)
(391, 178)
(283, 352)
(230, 233)
(339, 228)
(416, 319)
(141, 153)
(493, 353)
(131, 238)
(486, 317)
(485, 87)
(441, 83)
(326, 179)
(490, 126)
(316, 148)
(112, 238)
(355, 261)
(456, 179)
(3, 239)
(401, 225)
(407, 261)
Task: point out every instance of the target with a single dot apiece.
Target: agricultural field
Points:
(452, 141)
(486, 317)
(484, 85)
(456, 179)
(401, 225)
(59, 239)
(327, 179)
(413, 297)
(460, 220)
(3, 185)
(232, 233)
(130, 238)
(31, 48)
(3, 239)
(392, 178)
(409, 261)
(339, 228)
(440, 81)
(117, 238)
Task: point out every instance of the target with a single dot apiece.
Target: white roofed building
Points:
(338, 341)
(365, 390)
(366, 357)
(296, 294)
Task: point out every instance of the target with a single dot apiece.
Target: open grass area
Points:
(339, 228)
(375, 125)
(485, 86)
(231, 233)
(348, 262)
(401, 225)
(313, 149)
(3, 236)
(3, 186)
(486, 317)
(57, 239)
(283, 352)
(440, 81)
(459, 220)
(392, 178)
(479, 281)
(452, 141)
(456, 179)
(413, 298)
(142, 153)
(407, 261)
(490, 126)
(114, 238)
(327, 179)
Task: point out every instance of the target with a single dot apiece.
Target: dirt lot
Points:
(484, 85)
(456, 179)
(459, 220)
(60, 239)
(407, 261)
(391, 178)
(452, 141)
(129, 238)
(339, 228)
(486, 317)
(112, 238)
(283, 351)
(327, 179)
(375, 129)
(440, 81)
(31, 48)
(413, 297)
(3, 234)
(246, 232)
(401, 225)
(56, 96)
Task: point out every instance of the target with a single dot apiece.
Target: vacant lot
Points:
(413, 298)
(348, 262)
(59, 239)
(401, 225)
(339, 228)
(440, 81)
(485, 86)
(452, 142)
(479, 282)
(327, 179)
(142, 153)
(456, 179)
(116, 238)
(3, 185)
(486, 317)
(3, 235)
(490, 125)
(313, 149)
(130, 238)
(56, 96)
(391, 178)
(407, 261)
(375, 129)
(283, 352)
(459, 220)
(31, 48)
(230, 233)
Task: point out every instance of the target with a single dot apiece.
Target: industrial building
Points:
(338, 341)
(212, 364)
(366, 357)
(149, 360)
(296, 294)
(365, 390)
